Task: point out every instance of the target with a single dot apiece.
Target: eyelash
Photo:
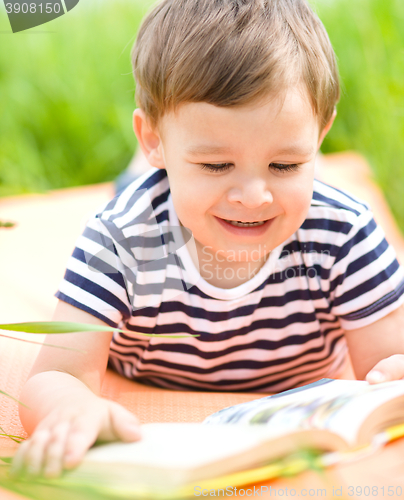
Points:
(280, 167)
(217, 167)
(222, 167)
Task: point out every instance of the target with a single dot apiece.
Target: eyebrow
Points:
(295, 151)
(206, 150)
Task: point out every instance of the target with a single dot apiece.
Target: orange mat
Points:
(33, 256)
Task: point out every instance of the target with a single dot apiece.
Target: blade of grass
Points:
(43, 343)
(9, 396)
(47, 490)
(6, 224)
(18, 440)
(53, 327)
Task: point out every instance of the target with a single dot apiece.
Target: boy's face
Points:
(241, 178)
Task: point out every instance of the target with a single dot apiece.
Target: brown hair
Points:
(232, 52)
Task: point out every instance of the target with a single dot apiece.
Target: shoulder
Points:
(334, 220)
(335, 210)
(144, 201)
(325, 195)
(132, 219)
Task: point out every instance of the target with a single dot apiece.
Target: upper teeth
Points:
(245, 224)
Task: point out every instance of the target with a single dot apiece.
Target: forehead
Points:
(286, 120)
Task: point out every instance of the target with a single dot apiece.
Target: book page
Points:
(339, 406)
(181, 445)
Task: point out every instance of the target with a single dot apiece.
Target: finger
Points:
(124, 424)
(76, 447)
(82, 436)
(391, 368)
(32, 457)
(54, 452)
(29, 448)
(18, 462)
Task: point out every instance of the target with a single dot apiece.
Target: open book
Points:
(338, 416)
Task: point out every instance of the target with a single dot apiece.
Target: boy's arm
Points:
(66, 415)
(377, 350)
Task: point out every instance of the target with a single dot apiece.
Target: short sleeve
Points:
(94, 280)
(366, 280)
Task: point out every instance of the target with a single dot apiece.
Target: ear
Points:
(326, 129)
(148, 138)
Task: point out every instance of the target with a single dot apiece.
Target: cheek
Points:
(192, 191)
(189, 201)
(298, 195)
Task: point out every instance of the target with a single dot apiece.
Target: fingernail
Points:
(134, 428)
(51, 472)
(70, 458)
(376, 377)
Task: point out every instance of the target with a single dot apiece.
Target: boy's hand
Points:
(391, 368)
(62, 438)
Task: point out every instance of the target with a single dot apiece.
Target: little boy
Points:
(228, 238)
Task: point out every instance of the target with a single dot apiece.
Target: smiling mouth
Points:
(238, 223)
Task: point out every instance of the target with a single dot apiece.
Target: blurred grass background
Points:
(67, 97)
(368, 38)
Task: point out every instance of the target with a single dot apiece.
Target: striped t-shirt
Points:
(284, 327)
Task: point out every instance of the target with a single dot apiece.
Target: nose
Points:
(252, 192)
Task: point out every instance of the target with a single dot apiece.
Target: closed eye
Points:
(282, 167)
(215, 167)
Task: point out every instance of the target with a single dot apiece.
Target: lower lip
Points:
(245, 231)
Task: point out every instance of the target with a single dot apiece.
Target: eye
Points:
(281, 167)
(215, 167)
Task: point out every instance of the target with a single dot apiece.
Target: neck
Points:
(224, 272)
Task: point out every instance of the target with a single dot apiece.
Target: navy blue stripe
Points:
(140, 191)
(385, 301)
(250, 363)
(361, 235)
(89, 310)
(297, 272)
(95, 265)
(118, 369)
(207, 336)
(98, 291)
(149, 183)
(275, 278)
(163, 216)
(151, 239)
(334, 203)
(367, 285)
(344, 193)
(167, 241)
(160, 199)
(366, 259)
(276, 378)
(311, 247)
(243, 311)
(335, 226)
(154, 179)
(264, 345)
(100, 238)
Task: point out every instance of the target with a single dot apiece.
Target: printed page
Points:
(339, 406)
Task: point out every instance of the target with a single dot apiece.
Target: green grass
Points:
(368, 38)
(68, 96)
